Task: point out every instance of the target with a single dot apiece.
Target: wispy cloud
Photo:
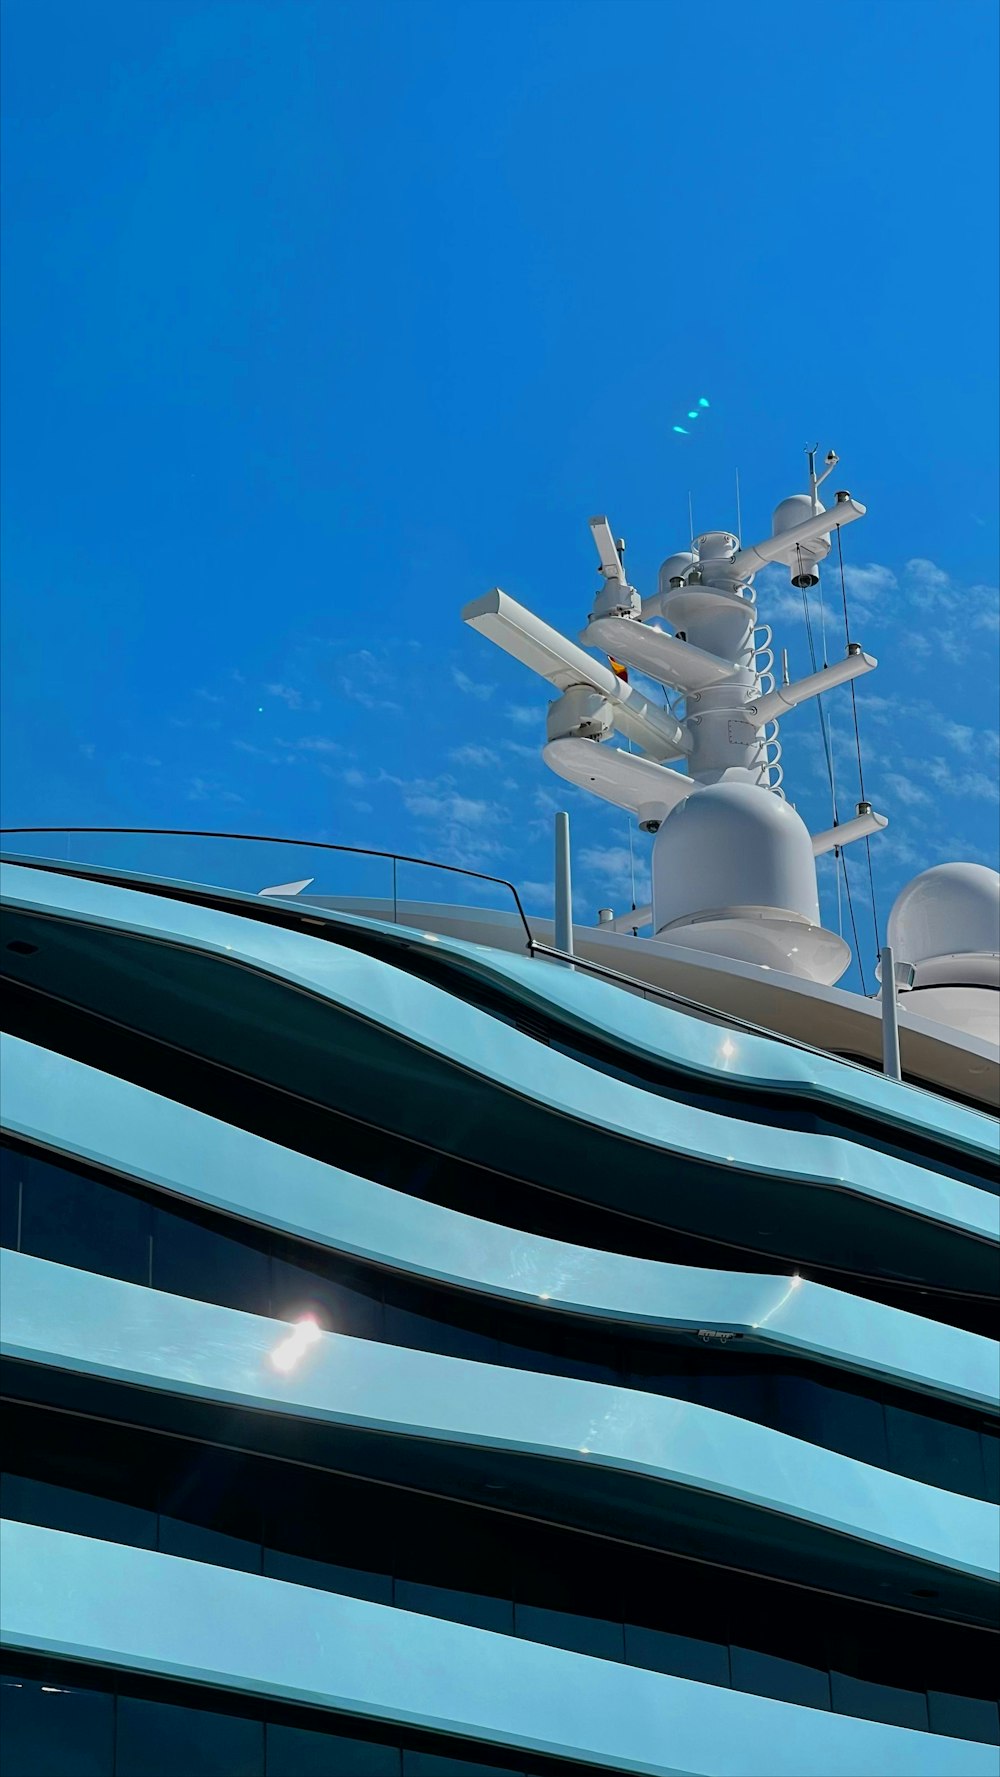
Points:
(472, 687)
(475, 756)
(288, 694)
(526, 715)
(201, 789)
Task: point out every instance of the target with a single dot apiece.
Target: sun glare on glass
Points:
(304, 1333)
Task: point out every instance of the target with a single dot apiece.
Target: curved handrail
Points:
(365, 851)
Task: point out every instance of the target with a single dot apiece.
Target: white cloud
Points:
(471, 687)
(910, 794)
(288, 694)
(870, 583)
(473, 755)
(525, 715)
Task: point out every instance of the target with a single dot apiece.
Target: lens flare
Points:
(304, 1333)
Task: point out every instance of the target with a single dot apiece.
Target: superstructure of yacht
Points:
(443, 1342)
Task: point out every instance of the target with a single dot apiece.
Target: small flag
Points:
(620, 672)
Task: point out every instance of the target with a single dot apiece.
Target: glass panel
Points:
(78, 1221)
(338, 1304)
(850, 1423)
(63, 1508)
(189, 1260)
(682, 1655)
(326, 1576)
(965, 1718)
(989, 1445)
(168, 1740)
(481, 1611)
(198, 1543)
(930, 1450)
(878, 1702)
(299, 1752)
(767, 1676)
(585, 1635)
(405, 1326)
(435, 1764)
(10, 1191)
(50, 1730)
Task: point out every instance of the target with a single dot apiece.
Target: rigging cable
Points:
(833, 781)
(830, 773)
(857, 743)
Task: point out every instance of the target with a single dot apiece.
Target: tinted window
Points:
(964, 1718)
(86, 1514)
(189, 1260)
(76, 1221)
(878, 1702)
(434, 1764)
(51, 1730)
(299, 1752)
(682, 1655)
(932, 1451)
(461, 1607)
(326, 1576)
(167, 1740)
(200, 1544)
(338, 1304)
(770, 1677)
(10, 1193)
(585, 1635)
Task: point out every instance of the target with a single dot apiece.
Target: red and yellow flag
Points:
(620, 672)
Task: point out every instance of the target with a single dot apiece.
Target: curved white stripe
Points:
(473, 1040)
(82, 1113)
(141, 1612)
(74, 1320)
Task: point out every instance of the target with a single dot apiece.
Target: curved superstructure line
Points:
(427, 1018)
(162, 1616)
(79, 1112)
(122, 1333)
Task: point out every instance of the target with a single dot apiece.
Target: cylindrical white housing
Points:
(733, 845)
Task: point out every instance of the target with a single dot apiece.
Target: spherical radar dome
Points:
(946, 924)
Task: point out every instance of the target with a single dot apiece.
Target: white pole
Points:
(564, 888)
(890, 1023)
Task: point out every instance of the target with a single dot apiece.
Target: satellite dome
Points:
(734, 874)
(946, 925)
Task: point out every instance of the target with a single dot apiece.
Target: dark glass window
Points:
(558, 1628)
(878, 1702)
(64, 1219)
(787, 1679)
(436, 1764)
(55, 1730)
(327, 1576)
(198, 1543)
(301, 1752)
(964, 1718)
(168, 1740)
(931, 1451)
(340, 1303)
(478, 1609)
(989, 1444)
(85, 1514)
(190, 1260)
(10, 1197)
(683, 1655)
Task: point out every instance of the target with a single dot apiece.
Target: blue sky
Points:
(320, 319)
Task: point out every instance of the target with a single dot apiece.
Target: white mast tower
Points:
(733, 868)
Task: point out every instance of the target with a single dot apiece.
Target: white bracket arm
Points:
(538, 646)
(646, 789)
(865, 822)
(783, 546)
(653, 651)
(612, 566)
(786, 697)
